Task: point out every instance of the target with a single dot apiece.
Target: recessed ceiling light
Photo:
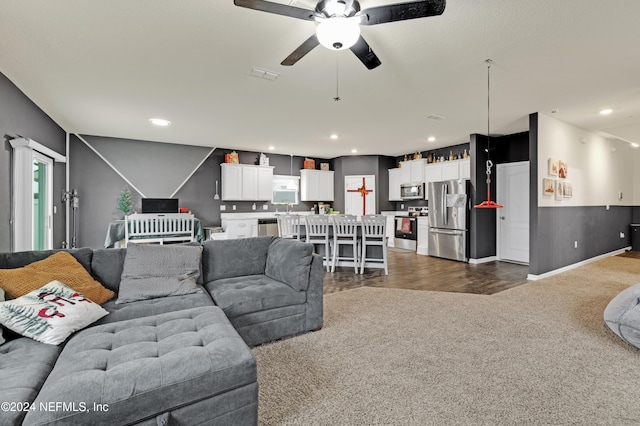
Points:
(334, 136)
(432, 139)
(635, 145)
(271, 148)
(159, 122)
(353, 151)
(606, 111)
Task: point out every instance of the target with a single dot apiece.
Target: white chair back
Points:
(345, 225)
(289, 226)
(317, 226)
(374, 226)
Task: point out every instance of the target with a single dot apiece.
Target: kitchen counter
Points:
(256, 215)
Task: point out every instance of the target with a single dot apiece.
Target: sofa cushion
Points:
(161, 305)
(234, 258)
(50, 314)
(242, 295)
(622, 315)
(144, 367)
(289, 261)
(60, 266)
(25, 366)
(106, 266)
(152, 271)
(24, 258)
(2, 339)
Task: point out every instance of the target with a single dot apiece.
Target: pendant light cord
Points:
(489, 162)
(337, 97)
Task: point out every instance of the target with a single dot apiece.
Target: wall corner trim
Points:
(193, 172)
(30, 143)
(531, 277)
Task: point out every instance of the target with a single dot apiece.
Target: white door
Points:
(513, 220)
(359, 194)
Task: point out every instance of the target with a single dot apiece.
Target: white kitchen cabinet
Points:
(423, 235)
(394, 185)
(412, 171)
(246, 182)
(432, 173)
(465, 169)
(316, 185)
(450, 170)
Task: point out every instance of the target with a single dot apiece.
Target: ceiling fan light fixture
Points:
(338, 33)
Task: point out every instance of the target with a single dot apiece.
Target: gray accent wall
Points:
(19, 116)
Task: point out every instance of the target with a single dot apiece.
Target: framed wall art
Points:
(559, 194)
(562, 169)
(548, 186)
(567, 190)
(553, 165)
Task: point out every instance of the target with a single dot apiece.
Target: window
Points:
(285, 189)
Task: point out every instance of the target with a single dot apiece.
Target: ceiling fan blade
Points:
(362, 50)
(302, 50)
(402, 11)
(279, 9)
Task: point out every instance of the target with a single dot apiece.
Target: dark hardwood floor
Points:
(408, 270)
(411, 271)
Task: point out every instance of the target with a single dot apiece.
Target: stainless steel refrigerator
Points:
(448, 219)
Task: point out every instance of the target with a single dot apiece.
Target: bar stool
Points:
(374, 235)
(289, 226)
(345, 232)
(318, 233)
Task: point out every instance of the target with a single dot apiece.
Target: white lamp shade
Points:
(338, 33)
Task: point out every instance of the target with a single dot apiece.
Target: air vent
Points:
(265, 74)
(435, 117)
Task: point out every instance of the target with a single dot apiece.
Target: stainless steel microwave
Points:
(412, 191)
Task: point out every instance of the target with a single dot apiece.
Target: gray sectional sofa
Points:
(169, 360)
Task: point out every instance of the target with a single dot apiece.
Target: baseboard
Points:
(483, 260)
(532, 277)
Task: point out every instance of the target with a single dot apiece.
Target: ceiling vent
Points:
(265, 74)
(435, 117)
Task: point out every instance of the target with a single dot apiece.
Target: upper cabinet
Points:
(394, 184)
(246, 182)
(448, 170)
(412, 171)
(316, 185)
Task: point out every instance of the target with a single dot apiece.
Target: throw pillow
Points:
(289, 261)
(50, 314)
(60, 266)
(152, 271)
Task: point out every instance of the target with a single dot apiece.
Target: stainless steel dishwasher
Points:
(267, 227)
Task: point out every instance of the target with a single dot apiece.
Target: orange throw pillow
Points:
(60, 266)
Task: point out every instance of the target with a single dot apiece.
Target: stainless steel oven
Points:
(406, 232)
(412, 191)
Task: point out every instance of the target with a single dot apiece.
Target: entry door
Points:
(359, 194)
(513, 220)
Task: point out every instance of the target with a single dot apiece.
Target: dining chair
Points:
(374, 235)
(289, 226)
(345, 233)
(317, 231)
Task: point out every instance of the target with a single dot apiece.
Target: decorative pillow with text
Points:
(50, 314)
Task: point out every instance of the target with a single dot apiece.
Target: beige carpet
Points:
(536, 354)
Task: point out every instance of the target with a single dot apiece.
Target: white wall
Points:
(598, 168)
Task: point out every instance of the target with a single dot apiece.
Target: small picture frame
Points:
(548, 186)
(562, 169)
(559, 190)
(568, 190)
(553, 166)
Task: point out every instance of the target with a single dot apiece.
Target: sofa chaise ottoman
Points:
(180, 359)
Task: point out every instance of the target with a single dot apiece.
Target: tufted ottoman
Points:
(622, 315)
(183, 367)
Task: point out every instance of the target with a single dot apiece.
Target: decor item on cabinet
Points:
(339, 23)
(488, 204)
(264, 160)
(465, 154)
(552, 167)
(309, 164)
(216, 196)
(417, 156)
(231, 158)
(548, 186)
(451, 157)
(324, 166)
(125, 201)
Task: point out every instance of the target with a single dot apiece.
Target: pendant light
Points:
(488, 204)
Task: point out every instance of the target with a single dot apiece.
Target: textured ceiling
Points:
(105, 67)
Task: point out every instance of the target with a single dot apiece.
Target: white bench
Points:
(159, 228)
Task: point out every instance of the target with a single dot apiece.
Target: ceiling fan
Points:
(339, 23)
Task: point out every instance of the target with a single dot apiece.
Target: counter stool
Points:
(374, 235)
(345, 232)
(318, 233)
(289, 226)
